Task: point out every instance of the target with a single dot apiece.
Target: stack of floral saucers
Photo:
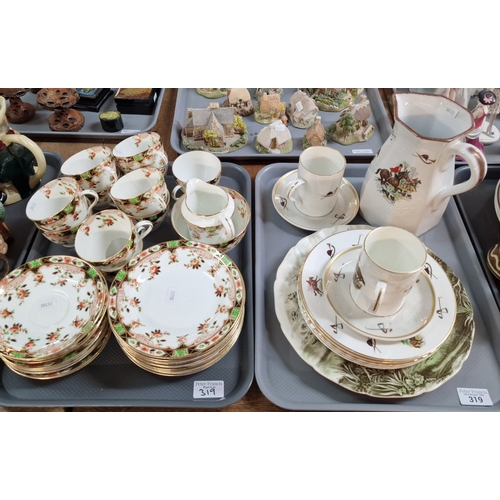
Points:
(54, 319)
(177, 308)
(410, 353)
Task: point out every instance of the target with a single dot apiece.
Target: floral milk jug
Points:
(410, 181)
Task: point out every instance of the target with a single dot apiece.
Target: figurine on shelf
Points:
(485, 99)
(18, 111)
(61, 101)
(490, 132)
(22, 162)
(260, 92)
(240, 100)
(353, 126)
(275, 138)
(212, 93)
(214, 129)
(315, 135)
(269, 109)
(301, 110)
(332, 99)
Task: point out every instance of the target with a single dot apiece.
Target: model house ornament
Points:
(329, 99)
(269, 109)
(240, 100)
(301, 110)
(212, 93)
(275, 138)
(315, 135)
(213, 129)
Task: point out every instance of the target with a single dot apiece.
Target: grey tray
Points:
(289, 382)
(133, 124)
(189, 98)
(478, 211)
(21, 228)
(113, 380)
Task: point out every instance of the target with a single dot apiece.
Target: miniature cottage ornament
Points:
(332, 99)
(260, 92)
(301, 110)
(353, 126)
(240, 100)
(274, 139)
(269, 109)
(315, 135)
(214, 129)
(212, 93)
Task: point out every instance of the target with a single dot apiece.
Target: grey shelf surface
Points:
(289, 382)
(133, 124)
(189, 98)
(112, 380)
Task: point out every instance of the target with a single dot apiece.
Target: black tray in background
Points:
(22, 230)
(478, 212)
(112, 380)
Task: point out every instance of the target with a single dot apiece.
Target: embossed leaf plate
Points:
(419, 378)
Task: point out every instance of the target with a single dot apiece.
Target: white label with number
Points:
(474, 397)
(362, 151)
(208, 389)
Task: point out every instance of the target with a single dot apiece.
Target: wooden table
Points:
(254, 400)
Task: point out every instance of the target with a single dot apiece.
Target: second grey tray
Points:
(289, 382)
(113, 380)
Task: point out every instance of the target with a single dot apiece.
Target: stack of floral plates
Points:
(411, 352)
(53, 317)
(177, 308)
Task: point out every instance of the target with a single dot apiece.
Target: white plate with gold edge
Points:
(240, 218)
(345, 209)
(416, 312)
(49, 304)
(76, 366)
(417, 379)
(179, 357)
(174, 295)
(310, 287)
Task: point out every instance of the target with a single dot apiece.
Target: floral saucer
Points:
(345, 209)
(412, 319)
(437, 313)
(411, 381)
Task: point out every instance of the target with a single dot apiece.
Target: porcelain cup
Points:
(195, 165)
(109, 239)
(207, 210)
(141, 150)
(61, 205)
(93, 168)
(319, 177)
(389, 264)
(141, 193)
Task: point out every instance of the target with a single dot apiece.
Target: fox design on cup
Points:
(397, 183)
(329, 194)
(358, 280)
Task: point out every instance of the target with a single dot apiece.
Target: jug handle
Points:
(35, 149)
(478, 168)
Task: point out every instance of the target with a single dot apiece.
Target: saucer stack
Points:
(53, 317)
(177, 308)
(409, 353)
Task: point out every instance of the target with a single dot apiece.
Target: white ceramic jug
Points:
(409, 182)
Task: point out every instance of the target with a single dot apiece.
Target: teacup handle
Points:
(143, 228)
(293, 189)
(478, 168)
(176, 190)
(229, 227)
(92, 194)
(112, 173)
(164, 160)
(162, 201)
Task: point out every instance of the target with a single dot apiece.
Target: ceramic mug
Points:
(109, 239)
(93, 168)
(141, 150)
(389, 264)
(61, 205)
(141, 193)
(207, 210)
(319, 177)
(195, 165)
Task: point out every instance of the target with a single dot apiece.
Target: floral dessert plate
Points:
(175, 296)
(374, 351)
(417, 379)
(48, 305)
(419, 308)
(344, 211)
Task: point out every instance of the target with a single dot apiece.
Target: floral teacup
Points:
(141, 150)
